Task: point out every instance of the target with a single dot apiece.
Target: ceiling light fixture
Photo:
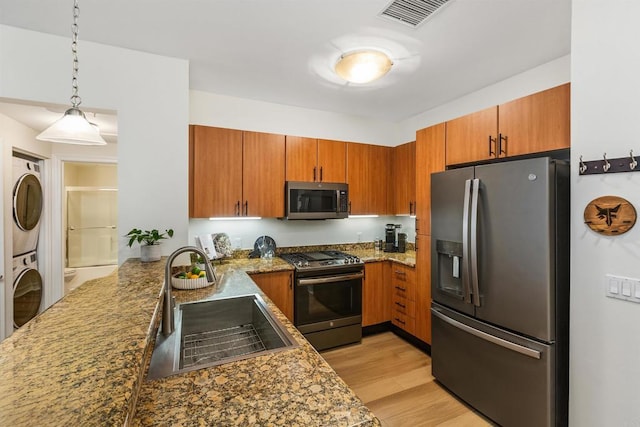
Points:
(363, 66)
(73, 127)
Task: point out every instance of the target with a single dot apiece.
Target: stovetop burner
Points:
(307, 261)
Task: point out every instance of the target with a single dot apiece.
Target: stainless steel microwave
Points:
(316, 200)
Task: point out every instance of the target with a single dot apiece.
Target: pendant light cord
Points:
(75, 98)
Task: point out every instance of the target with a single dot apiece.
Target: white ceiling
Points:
(282, 51)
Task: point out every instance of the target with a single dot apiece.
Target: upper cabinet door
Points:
(367, 176)
(332, 161)
(215, 171)
(472, 137)
(430, 152)
(536, 123)
(404, 179)
(302, 154)
(263, 174)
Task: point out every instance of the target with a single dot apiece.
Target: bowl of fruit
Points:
(195, 278)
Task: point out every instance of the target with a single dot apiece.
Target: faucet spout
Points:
(169, 302)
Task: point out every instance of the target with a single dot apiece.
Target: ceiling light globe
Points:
(363, 66)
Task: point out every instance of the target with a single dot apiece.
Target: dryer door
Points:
(27, 202)
(27, 295)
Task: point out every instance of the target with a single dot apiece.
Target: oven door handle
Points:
(330, 279)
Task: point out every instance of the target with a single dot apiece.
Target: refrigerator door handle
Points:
(474, 242)
(466, 285)
(488, 337)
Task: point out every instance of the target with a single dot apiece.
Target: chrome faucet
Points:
(169, 302)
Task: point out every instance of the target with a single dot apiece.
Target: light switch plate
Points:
(624, 288)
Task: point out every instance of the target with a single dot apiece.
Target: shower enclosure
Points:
(92, 234)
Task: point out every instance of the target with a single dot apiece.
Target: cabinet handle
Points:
(417, 228)
(415, 244)
(410, 208)
(401, 305)
(400, 272)
(246, 208)
(400, 321)
(500, 150)
(349, 208)
(314, 174)
(491, 152)
(290, 281)
(401, 288)
(238, 208)
(320, 173)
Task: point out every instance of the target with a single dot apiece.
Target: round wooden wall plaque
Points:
(610, 215)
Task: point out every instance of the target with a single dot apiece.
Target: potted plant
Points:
(149, 242)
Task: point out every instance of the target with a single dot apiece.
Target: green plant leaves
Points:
(149, 237)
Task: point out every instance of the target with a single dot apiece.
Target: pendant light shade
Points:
(72, 128)
(363, 66)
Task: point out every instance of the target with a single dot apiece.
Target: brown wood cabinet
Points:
(214, 153)
(278, 286)
(263, 174)
(531, 124)
(403, 169)
(315, 160)
(403, 297)
(367, 176)
(430, 157)
(376, 295)
(235, 173)
(536, 123)
(423, 288)
(472, 137)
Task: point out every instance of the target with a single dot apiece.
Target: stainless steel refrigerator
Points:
(500, 288)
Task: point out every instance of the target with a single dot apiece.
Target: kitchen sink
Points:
(214, 332)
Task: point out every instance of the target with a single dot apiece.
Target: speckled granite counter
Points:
(369, 255)
(83, 361)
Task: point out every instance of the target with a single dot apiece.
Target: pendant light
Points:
(73, 127)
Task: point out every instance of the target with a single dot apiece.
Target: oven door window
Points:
(306, 201)
(328, 301)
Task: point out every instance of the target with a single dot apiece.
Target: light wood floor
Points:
(393, 378)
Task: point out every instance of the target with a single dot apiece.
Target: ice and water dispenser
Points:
(449, 267)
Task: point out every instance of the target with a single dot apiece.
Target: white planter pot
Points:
(150, 253)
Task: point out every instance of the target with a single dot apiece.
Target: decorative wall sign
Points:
(610, 215)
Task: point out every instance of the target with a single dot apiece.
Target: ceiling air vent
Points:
(411, 12)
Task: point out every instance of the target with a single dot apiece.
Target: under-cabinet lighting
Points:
(364, 216)
(233, 218)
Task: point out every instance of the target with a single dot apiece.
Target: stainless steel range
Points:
(328, 297)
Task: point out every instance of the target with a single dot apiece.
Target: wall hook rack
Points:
(621, 164)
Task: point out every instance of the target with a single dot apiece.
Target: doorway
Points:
(90, 218)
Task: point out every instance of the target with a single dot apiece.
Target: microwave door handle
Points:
(466, 286)
(474, 242)
(337, 201)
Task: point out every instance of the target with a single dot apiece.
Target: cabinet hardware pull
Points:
(410, 208)
(238, 208)
(246, 208)
(500, 150)
(415, 244)
(401, 288)
(491, 152)
(314, 174)
(401, 305)
(400, 321)
(349, 208)
(403, 273)
(320, 173)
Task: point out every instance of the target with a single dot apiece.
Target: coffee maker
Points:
(390, 237)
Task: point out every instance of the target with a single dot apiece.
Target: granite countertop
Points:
(83, 362)
(369, 255)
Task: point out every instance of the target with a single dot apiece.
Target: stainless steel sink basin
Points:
(214, 332)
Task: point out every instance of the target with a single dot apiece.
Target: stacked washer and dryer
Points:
(27, 289)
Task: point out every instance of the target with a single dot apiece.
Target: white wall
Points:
(151, 96)
(605, 333)
(237, 113)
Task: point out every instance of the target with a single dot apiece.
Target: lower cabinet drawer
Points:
(404, 322)
(404, 306)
